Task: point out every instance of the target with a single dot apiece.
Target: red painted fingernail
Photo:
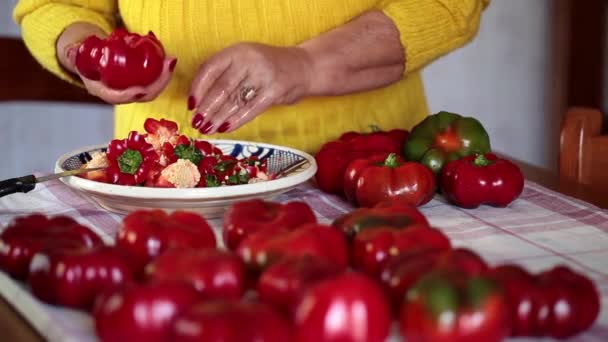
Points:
(224, 127)
(198, 120)
(172, 65)
(139, 96)
(191, 102)
(206, 128)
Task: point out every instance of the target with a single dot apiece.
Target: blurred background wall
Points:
(503, 78)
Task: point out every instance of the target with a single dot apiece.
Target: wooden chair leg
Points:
(578, 127)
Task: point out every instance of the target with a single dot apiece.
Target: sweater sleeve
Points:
(430, 29)
(43, 21)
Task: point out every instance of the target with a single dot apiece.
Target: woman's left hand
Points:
(242, 81)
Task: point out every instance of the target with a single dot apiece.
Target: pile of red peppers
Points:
(446, 153)
(167, 278)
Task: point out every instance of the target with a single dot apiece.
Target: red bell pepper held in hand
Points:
(373, 248)
(262, 249)
(142, 312)
(403, 271)
(283, 283)
(30, 234)
(121, 60)
(482, 179)
(394, 214)
(347, 307)
(214, 273)
(557, 302)
(130, 159)
(381, 177)
(74, 278)
(452, 306)
(145, 234)
(231, 321)
(247, 217)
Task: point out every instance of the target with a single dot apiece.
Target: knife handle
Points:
(20, 184)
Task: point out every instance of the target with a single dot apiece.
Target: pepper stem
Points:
(481, 160)
(129, 161)
(391, 160)
(374, 128)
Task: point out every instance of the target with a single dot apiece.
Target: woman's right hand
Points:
(67, 48)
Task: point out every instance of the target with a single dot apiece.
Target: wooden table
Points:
(15, 328)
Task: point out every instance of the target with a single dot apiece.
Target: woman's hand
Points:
(67, 47)
(242, 81)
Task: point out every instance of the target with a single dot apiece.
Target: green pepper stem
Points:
(391, 160)
(481, 160)
(374, 128)
(129, 161)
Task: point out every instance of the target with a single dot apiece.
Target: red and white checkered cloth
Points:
(539, 230)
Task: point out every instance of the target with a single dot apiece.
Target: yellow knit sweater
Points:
(192, 30)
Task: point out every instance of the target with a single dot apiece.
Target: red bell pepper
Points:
(74, 278)
(130, 159)
(228, 321)
(385, 214)
(145, 234)
(557, 302)
(141, 312)
(283, 283)
(28, 235)
(121, 60)
(347, 307)
(333, 157)
(214, 273)
(369, 181)
(265, 247)
(247, 217)
(402, 272)
(482, 179)
(452, 306)
(398, 135)
(373, 248)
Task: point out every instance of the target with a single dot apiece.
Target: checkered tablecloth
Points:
(539, 230)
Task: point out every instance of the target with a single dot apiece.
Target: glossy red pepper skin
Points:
(557, 302)
(284, 282)
(231, 321)
(373, 248)
(28, 235)
(394, 214)
(74, 278)
(402, 272)
(215, 274)
(334, 156)
(121, 60)
(247, 217)
(128, 172)
(262, 249)
(482, 179)
(350, 307)
(381, 177)
(452, 306)
(145, 234)
(141, 312)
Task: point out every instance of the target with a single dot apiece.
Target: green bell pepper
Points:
(444, 137)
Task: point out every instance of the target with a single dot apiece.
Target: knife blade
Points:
(28, 183)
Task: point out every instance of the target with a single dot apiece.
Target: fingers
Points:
(135, 93)
(206, 77)
(245, 114)
(221, 92)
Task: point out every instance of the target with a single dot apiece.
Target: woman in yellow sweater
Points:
(296, 73)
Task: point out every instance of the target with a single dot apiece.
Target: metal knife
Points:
(28, 183)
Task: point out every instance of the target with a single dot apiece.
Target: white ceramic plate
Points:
(210, 202)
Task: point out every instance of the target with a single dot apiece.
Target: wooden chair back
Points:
(583, 153)
(23, 78)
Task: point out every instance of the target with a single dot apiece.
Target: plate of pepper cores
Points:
(162, 169)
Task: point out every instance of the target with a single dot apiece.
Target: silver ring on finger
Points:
(247, 94)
